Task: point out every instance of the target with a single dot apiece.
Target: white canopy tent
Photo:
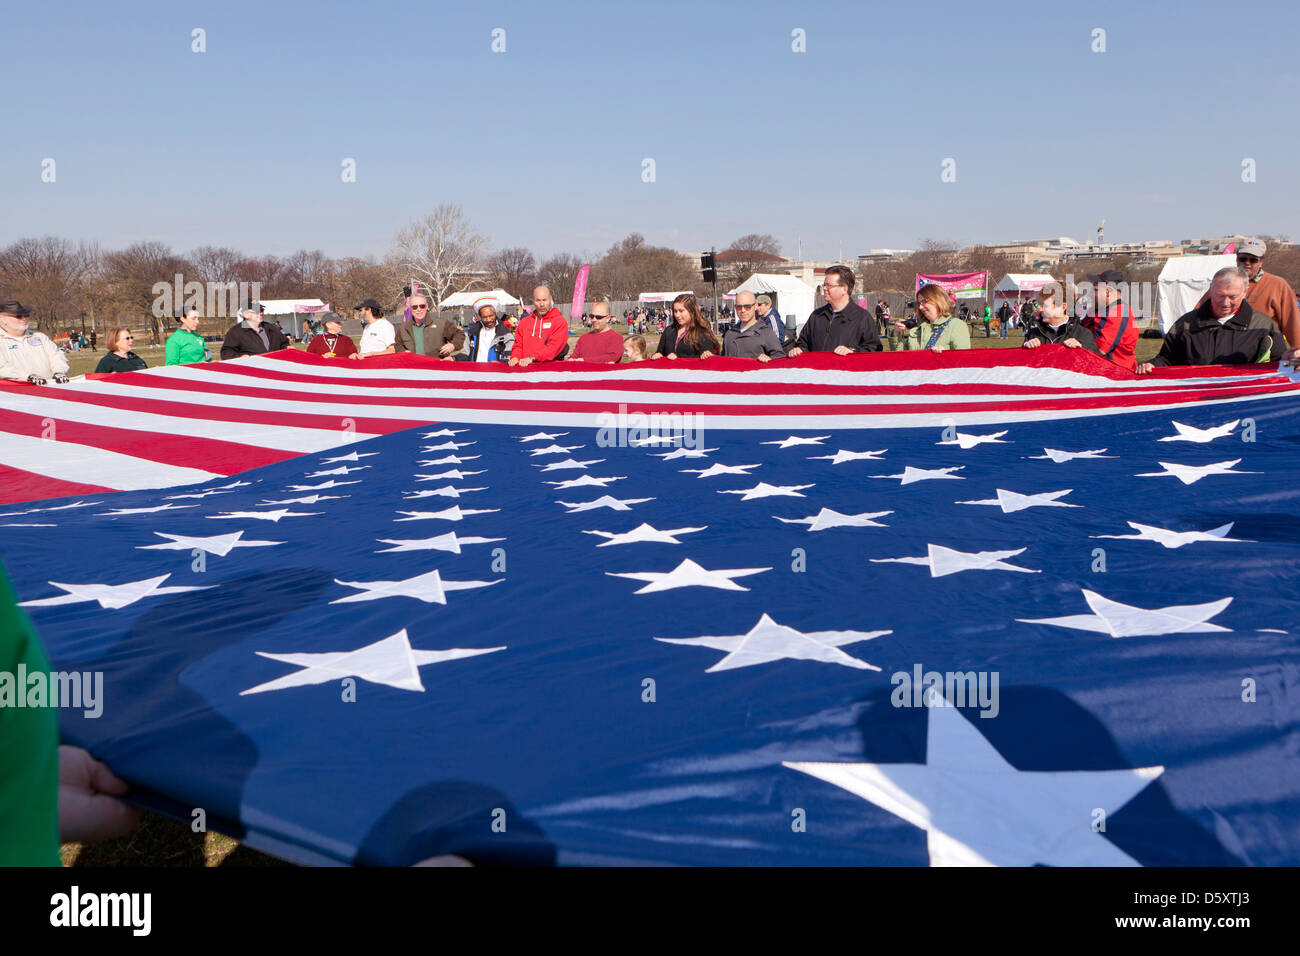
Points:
(645, 297)
(1017, 286)
(793, 298)
(291, 313)
(466, 299)
(1182, 282)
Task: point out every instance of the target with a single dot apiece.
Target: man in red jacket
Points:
(1112, 321)
(542, 334)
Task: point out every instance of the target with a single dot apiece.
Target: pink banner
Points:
(959, 284)
(579, 293)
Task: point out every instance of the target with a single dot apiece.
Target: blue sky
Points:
(543, 144)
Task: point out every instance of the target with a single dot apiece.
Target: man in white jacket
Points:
(27, 356)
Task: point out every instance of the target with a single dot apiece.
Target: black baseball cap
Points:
(14, 307)
(371, 304)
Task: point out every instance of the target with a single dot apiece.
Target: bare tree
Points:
(441, 251)
(46, 275)
(130, 275)
(514, 270)
(305, 272)
(560, 273)
(215, 264)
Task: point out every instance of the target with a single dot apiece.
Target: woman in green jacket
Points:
(120, 358)
(936, 328)
(185, 345)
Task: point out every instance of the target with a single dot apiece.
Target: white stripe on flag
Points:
(68, 461)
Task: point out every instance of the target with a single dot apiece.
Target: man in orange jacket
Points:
(1112, 321)
(542, 334)
(1265, 292)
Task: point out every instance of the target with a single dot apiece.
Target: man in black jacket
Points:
(1224, 330)
(252, 336)
(839, 326)
(1055, 327)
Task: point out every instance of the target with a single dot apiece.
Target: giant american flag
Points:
(915, 609)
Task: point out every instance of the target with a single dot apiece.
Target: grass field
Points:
(160, 841)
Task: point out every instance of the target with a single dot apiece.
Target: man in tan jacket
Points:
(27, 356)
(440, 338)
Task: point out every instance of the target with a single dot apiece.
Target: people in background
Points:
(252, 335)
(689, 335)
(27, 356)
(378, 336)
(119, 357)
(767, 312)
(425, 336)
(1223, 330)
(937, 329)
(840, 326)
(1055, 326)
(602, 344)
(543, 334)
(331, 342)
(185, 346)
(1267, 293)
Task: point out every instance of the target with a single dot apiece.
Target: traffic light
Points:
(707, 268)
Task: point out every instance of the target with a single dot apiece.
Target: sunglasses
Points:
(414, 307)
(1248, 260)
(746, 307)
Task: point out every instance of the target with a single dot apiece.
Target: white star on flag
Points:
(841, 456)
(653, 440)
(552, 450)
(454, 475)
(794, 440)
(118, 512)
(392, 662)
(444, 433)
(200, 494)
(340, 470)
(452, 446)
(323, 485)
(441, 542)
(688, 574)
(1010, 501)
(967, 442)
(715, 469)
(769, 641)
(428, 587)
(912, 475)
(584, 481)
(1060, 457)
(446, 491)
(1173, 539)
(218, 544)
(944, 561)
(569, 464)
(26, 524)
(685, 453)
(643, 534)
(978, 810)
(111, 596)
(764, 490)
(447, 460)
(1190, 474)
(1201, 435)
(829, 518)
(350, 456)
(542, 436)
(1125, 620)
(305, 500)
(604, 501)
(267, 515)
(454, 513)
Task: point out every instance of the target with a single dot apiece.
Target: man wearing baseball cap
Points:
(1111, 321)
(766, 312)
(379, 336)
(1266, 292)
(27, 356)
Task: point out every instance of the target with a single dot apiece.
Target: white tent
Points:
(467, 299)
(1182, 282)
(1016, 286)
(291, 313)
(793, 298)
(645, 297)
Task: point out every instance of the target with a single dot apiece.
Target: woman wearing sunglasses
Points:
(120, 358)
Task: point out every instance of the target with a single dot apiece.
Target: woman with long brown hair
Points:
(688, 335)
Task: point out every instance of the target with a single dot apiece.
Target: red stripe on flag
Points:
(17, 486)
(206, 454)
